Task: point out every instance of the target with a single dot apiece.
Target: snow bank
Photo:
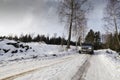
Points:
(112, 55)
(111, 60)
(13, 51)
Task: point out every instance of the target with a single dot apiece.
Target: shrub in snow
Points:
(16, 45)
(34, 56)
(21, 46)
(30, 47)
(27, 47)
(6, 50)
(21, 51)
(46, 55)
(33, 50)
(54, 55)
(109, 52)
(22, 58)
(14, 51)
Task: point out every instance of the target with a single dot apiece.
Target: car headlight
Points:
(89, 48)
(80, 48)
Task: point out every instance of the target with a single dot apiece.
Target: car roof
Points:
(87, 44)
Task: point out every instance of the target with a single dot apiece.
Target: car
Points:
(86, 48)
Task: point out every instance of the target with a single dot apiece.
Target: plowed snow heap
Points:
(10, 46)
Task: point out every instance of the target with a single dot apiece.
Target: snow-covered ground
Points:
(112, 59)
(104, 65)
(53, 62)
(55, 69)
(16, 51)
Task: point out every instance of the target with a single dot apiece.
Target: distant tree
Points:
(107, 40)
(16, 38)
(119, 35)
(37, 38)
(29, 38)
(21, 37)
(97, 37)
(42, 38)
(62, 39)
(111, 42)
(54, 37)
(58, 41)
(112, 17)
(25, 38)
(115, 45)
(97, 40)
(47, 39)
(90, 37)
(10, 37)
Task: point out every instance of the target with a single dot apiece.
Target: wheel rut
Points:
(82, 70)
(12, 77)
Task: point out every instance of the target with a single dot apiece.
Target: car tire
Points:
(92, 52)
(79, 52)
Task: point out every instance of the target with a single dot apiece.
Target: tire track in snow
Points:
(12, 77)
(82, 70)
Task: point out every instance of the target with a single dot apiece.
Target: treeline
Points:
(103, 41)
(111, 42)
(95, 39)
(39, 38)
(99, 40)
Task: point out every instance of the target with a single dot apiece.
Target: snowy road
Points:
(57, 69)
(82, 70)
(71, 67)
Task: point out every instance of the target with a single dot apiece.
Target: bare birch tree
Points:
(79, 27)
(112, 17)
(70, 11)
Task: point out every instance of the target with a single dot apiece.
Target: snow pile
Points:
(13, 51)
(111, 60)
(10, 46)
(113, 55)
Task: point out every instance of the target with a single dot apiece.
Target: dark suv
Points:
(86, 48)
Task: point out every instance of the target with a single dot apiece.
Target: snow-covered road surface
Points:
(82, 70)
(71, 67)
(57, 69)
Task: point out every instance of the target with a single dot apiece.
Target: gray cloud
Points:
(22, 16)
(39, 16)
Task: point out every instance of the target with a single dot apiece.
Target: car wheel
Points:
(79, 51)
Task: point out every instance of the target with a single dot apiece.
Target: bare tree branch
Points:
(112, 16)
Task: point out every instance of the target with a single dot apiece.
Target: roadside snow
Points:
(104, 66)
(32, 50)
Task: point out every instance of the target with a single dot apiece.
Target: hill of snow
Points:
(12, 51)
(110, 54)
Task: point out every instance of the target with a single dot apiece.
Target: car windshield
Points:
(86, 46)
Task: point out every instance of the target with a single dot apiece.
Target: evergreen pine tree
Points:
(90, 37)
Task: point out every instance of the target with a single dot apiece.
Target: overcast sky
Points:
(40, 17)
